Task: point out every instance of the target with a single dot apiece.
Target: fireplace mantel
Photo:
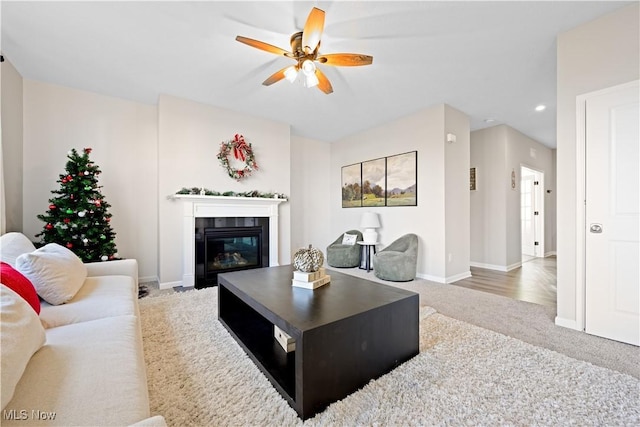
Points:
(197, 206)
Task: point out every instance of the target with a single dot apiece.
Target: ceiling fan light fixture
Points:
(304, 50)
(311, 80)
(308, 68)
(291, 73)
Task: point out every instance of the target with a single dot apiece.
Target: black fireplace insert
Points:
(229, 244)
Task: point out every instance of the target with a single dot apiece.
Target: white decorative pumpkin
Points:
(308, 260)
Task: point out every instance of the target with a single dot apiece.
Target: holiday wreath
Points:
(243, 152)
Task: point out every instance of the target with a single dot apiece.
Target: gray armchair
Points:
(397, 262)
(344, 256)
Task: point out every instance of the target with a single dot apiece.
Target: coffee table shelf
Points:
(347, 332)
(255, 335)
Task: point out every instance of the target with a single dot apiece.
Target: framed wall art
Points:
(352, 186)
(472, 179)
(374, 174)
(402, 179)
(387, 181)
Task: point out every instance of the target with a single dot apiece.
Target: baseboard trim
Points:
(488, 266)
(169, 285)
(455, 278)
(514, 266)
(550, 253)
(431, 278)
(146, 279)
(567, 323)
(502, 268)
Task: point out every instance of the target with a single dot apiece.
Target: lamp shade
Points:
(370, 220)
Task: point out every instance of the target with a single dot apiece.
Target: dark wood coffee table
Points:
(346, 333)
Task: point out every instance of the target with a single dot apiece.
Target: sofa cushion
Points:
(12, 245)
(99, 297)
(15, 280)
(55, 271)
(21, 335)
(90, 373)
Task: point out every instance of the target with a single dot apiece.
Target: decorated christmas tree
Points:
(78, 217)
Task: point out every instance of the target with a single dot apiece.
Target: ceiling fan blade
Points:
(323, 82)
(312, 31)
(345, 59)
(275, 77)
(262, 46)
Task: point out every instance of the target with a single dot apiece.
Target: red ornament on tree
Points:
(52, 206)
(69, 178)
(107, 219)
(69, 245)
(98, 203)
(48, 226)
(67, 220)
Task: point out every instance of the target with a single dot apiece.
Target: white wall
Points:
(495, 206)
(424, 132)
(593, 56)
(190, 134)
(457, 225)
(310, 191)
(489, 200)
(123, 136)
(11, 108)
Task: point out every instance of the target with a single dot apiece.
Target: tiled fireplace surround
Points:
(223, 207)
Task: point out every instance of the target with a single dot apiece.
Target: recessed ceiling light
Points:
(489, 120)
(541, 107)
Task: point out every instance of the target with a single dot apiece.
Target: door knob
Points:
(596, 228)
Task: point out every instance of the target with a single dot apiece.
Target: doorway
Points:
(531, 213)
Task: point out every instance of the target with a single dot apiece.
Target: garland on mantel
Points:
(197, 191)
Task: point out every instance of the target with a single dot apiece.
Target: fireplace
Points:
(229, 244)
(221, 208)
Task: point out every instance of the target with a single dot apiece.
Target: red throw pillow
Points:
(15, 280)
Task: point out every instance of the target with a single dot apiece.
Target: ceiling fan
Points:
(304, 50)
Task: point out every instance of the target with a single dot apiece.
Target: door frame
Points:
(581, 196)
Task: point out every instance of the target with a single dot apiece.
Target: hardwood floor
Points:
(534, 282)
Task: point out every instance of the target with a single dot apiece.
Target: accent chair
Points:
(397, 262)
(345, 255)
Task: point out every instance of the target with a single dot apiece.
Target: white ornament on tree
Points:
(82, 213)
(104, 258)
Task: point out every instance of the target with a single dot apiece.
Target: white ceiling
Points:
(488, 59)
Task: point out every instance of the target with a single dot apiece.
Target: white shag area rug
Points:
(464, 375)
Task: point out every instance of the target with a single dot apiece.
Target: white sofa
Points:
(90, 370)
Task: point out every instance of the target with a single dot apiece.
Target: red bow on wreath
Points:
(239, 147)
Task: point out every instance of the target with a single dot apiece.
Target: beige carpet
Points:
(464, 375)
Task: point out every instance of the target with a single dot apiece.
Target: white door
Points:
(527, 211)
(612, 209)
(531, 213)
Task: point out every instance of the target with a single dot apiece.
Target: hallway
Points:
(534, 282)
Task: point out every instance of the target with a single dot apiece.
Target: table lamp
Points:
(370, 222)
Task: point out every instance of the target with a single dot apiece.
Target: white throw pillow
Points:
(12, 245)
(349, 239)
(21, 335)
(55, 271)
